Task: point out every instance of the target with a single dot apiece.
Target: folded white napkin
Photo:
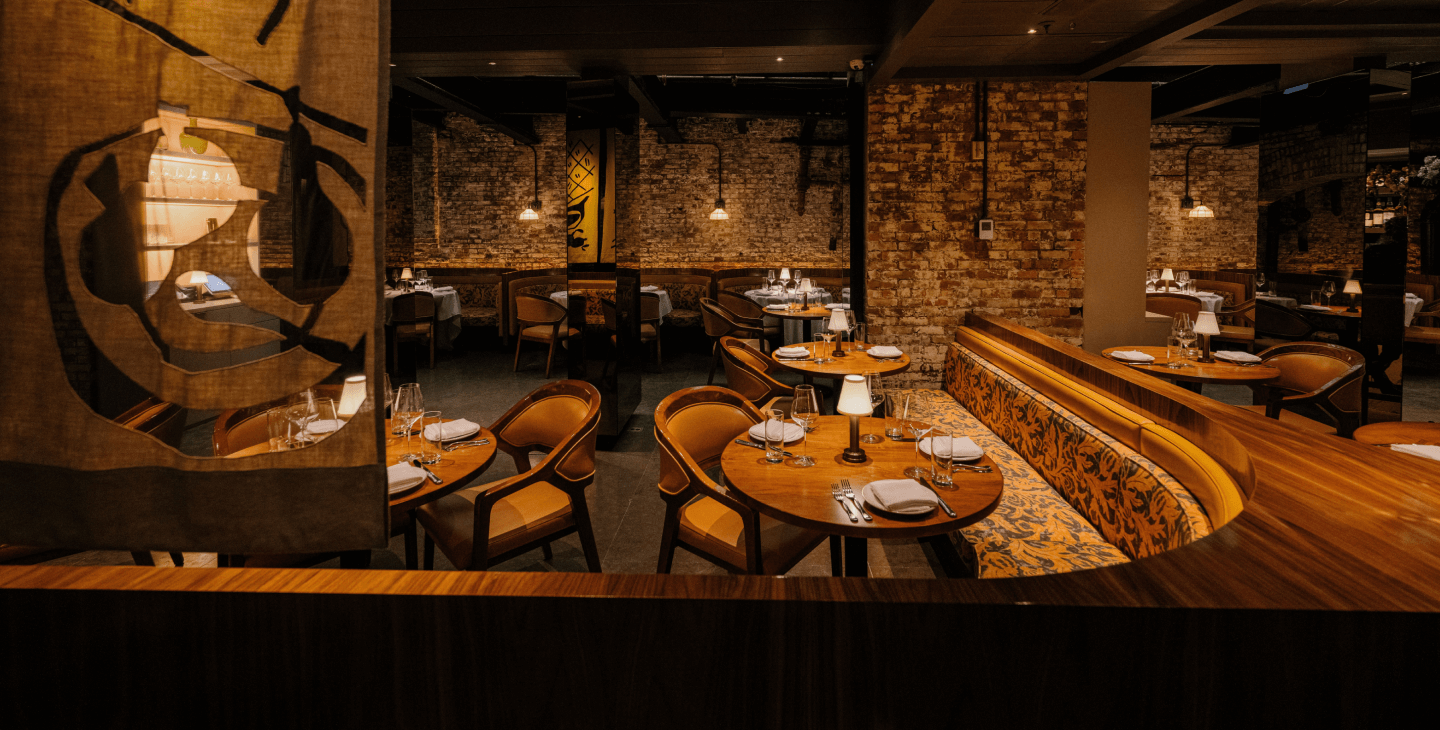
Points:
(962, 448)
(1132, 356)
(777, 306)
(885, 351)
(900, 495)
(837, 305)
(793, 432)
(1236, 356)
(324, 425)
(649, 287)
(404, 476)
(1314, 307)
(451, 430)
(1421, 450)
(791, 352)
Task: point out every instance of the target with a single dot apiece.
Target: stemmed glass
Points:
(769, 279)
(1173, 346)
(1151, 276)
(1260, 281)
(1187, 338)
(1182, 279)
(915, 418)
(850, 325)
(1328, 290)
(804, 410)
(302, 412)
(409, 407)
(877, 405)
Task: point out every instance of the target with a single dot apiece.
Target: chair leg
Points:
(429, 552)
(714, 363)
(587, 535)
(659, 365)
(517, 354)
(143, 557)
(412, 555)
(837, 562)
(667, 541)
(550, 358)
(546, 552)
(432, 348)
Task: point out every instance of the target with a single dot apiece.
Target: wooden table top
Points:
(1399, 432)
(801, 496)
(1331, 311)
(814, 312)
(1199, 372)
(854, 363)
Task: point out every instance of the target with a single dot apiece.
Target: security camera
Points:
(857, 64)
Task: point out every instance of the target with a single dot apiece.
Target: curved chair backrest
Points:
(559, 418)
(1318, 367)
(1426, 292)
(1276, 320)
(609, 315)
(532, 308)
(1243, 314)
(1171, 304)
(693, 426)
(511, 285)
(251, 431)
(739, 304)
(734, 280)
(717, 319)
(649, 307)
(165, 421)
(746, 373)
(413, 307)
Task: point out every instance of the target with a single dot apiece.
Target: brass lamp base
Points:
(854, 454)
(1205, 356)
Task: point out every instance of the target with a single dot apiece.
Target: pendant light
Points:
(1187, 202)
(719, 213)
(531, 212)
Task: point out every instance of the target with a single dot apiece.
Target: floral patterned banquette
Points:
(1089, 482)
(479, 291)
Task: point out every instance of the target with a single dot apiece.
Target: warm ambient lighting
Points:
(1352, 287)
(784, 275)
(1205, 325)
(1167, 276)
(529, 214)
(1201, 211)
(199, 280)
(1032, 31)
(1187, 202)
(531, 211)
(837, 324)
(854, 402)
(405, 274)
(719, 213)
(779, 58)
(351, 397)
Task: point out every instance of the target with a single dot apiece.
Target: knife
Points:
(938, 498)
(754, 445)
(428, 474)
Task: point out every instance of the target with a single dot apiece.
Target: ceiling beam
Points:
(1210, 88)
(521, 129)
(1333, 17)
(912, 38)
(652, 113)
(941, 73)
(1164, 33)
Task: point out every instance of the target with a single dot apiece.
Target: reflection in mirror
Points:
(1422, 273)
(298, 421)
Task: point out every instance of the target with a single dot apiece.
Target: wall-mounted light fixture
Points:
(1187, 202)
(532, 211)
(719, 213)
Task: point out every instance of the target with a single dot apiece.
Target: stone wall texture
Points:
(927, 268)
(1225, 180)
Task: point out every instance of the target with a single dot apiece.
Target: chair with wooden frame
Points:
(720, 322)
(750, 373)
(1240, 327)
(746, 311)
(412, 319)
(547, 325)
(513, 284)
(166, 422)
(1173, 303)
(736, 280)
(481, 526)
(693, 427)
(1276, 324)
(1329, 377)
(650, 324)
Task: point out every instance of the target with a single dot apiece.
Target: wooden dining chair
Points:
(412, 319)
(1277, 324)
(720, 322)
(746, 311)
(650, 324)
(1237, 326)
(542, 320)
(1328, 377)
(750, 373)
(1173, 303)
(479, 527)
(693, 427)
(166, 422)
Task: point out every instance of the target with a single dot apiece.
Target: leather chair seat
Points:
(532, 512)
(1295, 420)
(543, 331)
(412, 329)
(647, 332)
(721, 532)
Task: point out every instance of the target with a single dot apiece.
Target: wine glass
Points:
(302, 413)
(1187, 338)
(876, 385)
(1182, 279)
(1260, 281)
(1328, 290)
(804, 410)
(409, 407)
(850, 325)
(915, 418)
(769, 279)
(1173, 347)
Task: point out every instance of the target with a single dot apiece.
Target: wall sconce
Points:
(719, 213)
(1352, 287)
(531, 211)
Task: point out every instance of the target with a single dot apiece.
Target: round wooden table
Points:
(1199, 373)
(853, 363)
(804, 316)
(801, 495)
(1399, 432)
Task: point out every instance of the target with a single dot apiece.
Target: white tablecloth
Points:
(794, 329)
(563, 298)
(1209, 301)
(447, 314)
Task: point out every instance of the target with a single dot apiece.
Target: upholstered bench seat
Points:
(683, 318)
(471, 316)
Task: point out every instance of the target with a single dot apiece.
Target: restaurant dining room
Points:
(815, 363)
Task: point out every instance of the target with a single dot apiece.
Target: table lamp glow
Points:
(837, 324)
(199, 280)
(1352, 287)
(854, 402)
(784, 275)
(1205, 325)
(351, 397)
(1167, 276)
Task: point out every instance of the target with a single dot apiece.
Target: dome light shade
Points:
(719, 213)
(531, 211)
(1201, 211)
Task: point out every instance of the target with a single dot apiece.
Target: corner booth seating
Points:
(1090, 479)
(479, 291)
(739, 281)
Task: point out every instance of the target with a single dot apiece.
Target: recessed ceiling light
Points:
(779, 58)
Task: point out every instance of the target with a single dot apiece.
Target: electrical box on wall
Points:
(986, 229)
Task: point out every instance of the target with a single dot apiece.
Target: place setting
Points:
(428, 438)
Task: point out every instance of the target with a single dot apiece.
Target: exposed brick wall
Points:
(1226, 180)
(399, 207)
(1333, 241)
(927, 269)
(276, 250)
(1302, 156)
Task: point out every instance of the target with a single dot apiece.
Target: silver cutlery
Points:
(462, 444)
(428, 474)
(754, 445)
(845, 486)
(938, 498)
(982, 469)
(840, 497)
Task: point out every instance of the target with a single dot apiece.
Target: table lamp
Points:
(805, 289)
(837, 324)
(854, 402)
(200, 281)
(1205, 325)
(784, 275)
(351, 397)
(1352, 287)
(1166, 276)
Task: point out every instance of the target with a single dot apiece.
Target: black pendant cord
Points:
(1187, 171)
(535, 155)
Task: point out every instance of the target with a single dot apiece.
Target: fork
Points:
(840, 497)
(845, 486)
(462, 444)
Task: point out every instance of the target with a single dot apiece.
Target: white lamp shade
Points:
(1201, 211)
(1205, 324)
(854, 397)
(1167, 275)
(195, 278)
(719, 214)
(1352, 287)
(837, 321)
(405, 274)
(352, 396)
(529, 214)
(805, 285)
(785, 275)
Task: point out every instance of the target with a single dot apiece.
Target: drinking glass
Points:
(1187, 339)
(278, 421)
(1182, 279)
(822, 353)
(324, 411)
(804, 410)
(769, 279)
(409, 407)
(1173, 347)
(893, 420)
(1329, 291)
(860, 335)
(302, 413)
(796, 276)
(915, 419)
(877, 403)
(775, 436)
(1315, 297)
(1260, 282)
(430, 450)
(942, 449)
